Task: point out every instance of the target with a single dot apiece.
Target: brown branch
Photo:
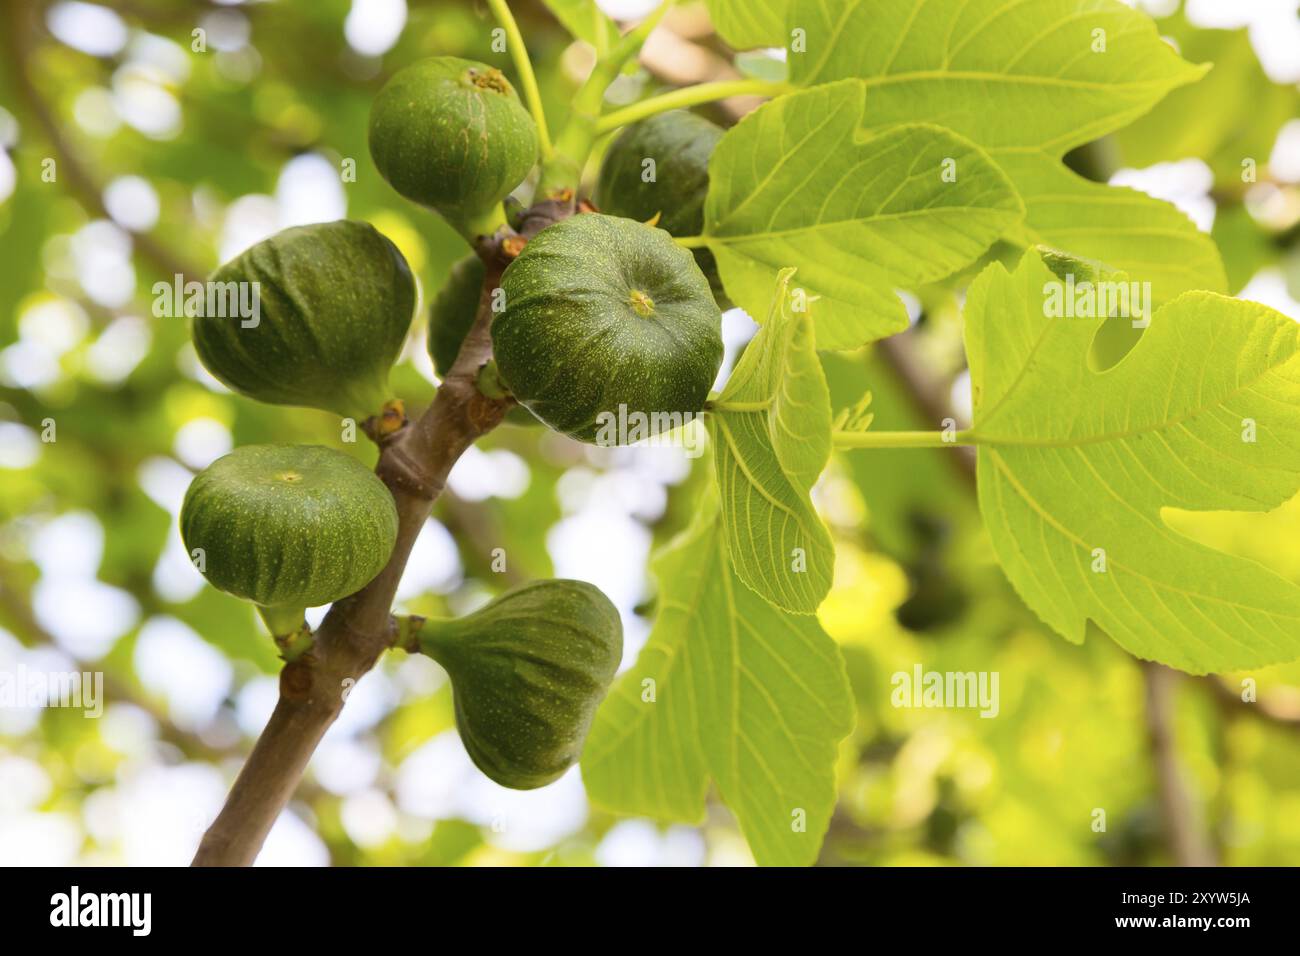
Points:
(925, 394)
(1187, 841)
(414, 462)
(1271, 712)
(472, 525)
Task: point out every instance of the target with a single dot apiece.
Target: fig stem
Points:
(629, 45)
(420, 635)
(527, 79)
(489, 381)
(590, 97)
(742, 406)
(486, 224)
(409, 627)
(282, 620)
(574, 144)
(688, 96)
(943, 439)
(293, 646)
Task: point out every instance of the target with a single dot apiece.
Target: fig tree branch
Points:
(1183, 827)
(1279, 713)
(414, 462)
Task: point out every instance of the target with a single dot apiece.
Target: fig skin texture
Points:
(451, 134)
(606, 317)
(680, 143)
(289, 526)
(450, 317)
(336, 300)
(527, 674)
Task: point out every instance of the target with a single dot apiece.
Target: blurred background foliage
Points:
(131, 156)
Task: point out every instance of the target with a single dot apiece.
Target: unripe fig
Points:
(607, 321)
(452, 312)
(288, 527)
(335, 301)
(451, 134)
(450, 317)
(660, 167)
(527, 674)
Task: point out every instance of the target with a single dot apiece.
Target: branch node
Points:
(406, 632)
(397, 467)
(485, 413)
(296, 678)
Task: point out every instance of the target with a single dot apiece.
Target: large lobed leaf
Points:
(1151, 240)
(1075, 466)
(797, 182)
(749, 23)
(771, 429)
(1231, 114)
(729, 688)
(1024, 82)
(1005, 73)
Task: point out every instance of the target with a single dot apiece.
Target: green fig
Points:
(288, 527)
(607, 321)
(527, 674)
(335, 301)
(451, 134)
(660, 167)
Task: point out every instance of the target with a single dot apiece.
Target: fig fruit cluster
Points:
(600, 319)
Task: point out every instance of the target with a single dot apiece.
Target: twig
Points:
(472, 525)
(1261, 710)
(1187, 841)
(925, 395)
